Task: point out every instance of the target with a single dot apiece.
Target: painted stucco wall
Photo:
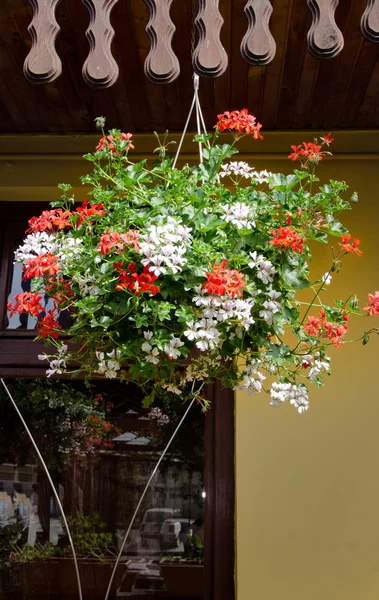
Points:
(308, 485)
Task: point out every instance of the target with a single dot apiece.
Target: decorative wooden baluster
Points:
(43, 65)
(100, 69)
(258, 46)
(325, 39)
(370, 21)
(161, 64)
(209, 58)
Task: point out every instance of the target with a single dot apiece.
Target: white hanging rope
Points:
(144, 494)
(51, 483)
(199, 121)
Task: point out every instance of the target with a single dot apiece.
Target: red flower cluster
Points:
(138, 283)
(48, 326)
(222, 281)
(45, 264)
(239, 121)
(107, 142)
(86, 211)
(320, 326)
(373, 307)
(285, 237)
(351, 247)
(29, 302)
(309, 150)
(49, 220)
(113, 239)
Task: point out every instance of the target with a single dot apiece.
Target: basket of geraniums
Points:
(178, 276)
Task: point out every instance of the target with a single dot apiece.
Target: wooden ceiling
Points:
(294, 91)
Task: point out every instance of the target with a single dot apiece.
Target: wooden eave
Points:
(302, 65)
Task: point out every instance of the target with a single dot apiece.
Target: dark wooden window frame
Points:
(19, 358)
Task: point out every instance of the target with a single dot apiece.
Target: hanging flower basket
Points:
(180, 276)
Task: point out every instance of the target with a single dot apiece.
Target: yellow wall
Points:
(308, 485)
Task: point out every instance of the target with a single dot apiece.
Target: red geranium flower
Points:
(319, 326)
(285, 237)
(113, 239)
(239, 121)
(86, 211)
(222, 281)
(49, 220)
(308, 150)
(373, 307)
(137, 283)
(45, 264)
(48, 326)
(351, 247)
(29, 302)
(327, 139)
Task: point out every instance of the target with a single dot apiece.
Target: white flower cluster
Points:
(58, 364)
(239, 214)
(252, 379)
(204, 332)
(316, 365)
(236, 168)
(297, 395)
(67, 249)
(35, 244)
(164, 246)
(270, 306)
(172, 349)
(152, 353)
(224, 308)
(266, 269)
(109, 366)
(157, 415)
(242, 169)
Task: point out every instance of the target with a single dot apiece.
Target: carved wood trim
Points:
(210, 58)
(370, 21)
(43, 65)
(258, 45)
(161, 64)
(325, 39)
(100, 68)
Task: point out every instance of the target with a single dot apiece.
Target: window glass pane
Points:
(100, 496)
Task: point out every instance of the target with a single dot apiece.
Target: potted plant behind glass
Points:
(184, 577)
(49, 570)
(202, 263)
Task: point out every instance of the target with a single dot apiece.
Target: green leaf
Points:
(295, 279)
(148, 400)
(335, 227)
(208, 222)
